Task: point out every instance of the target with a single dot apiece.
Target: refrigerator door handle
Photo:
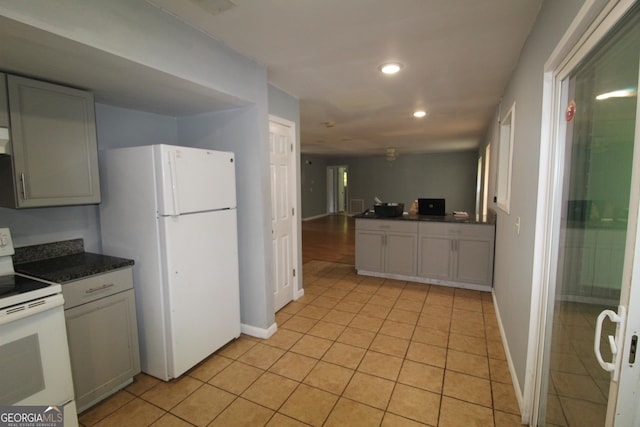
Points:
(174, 183)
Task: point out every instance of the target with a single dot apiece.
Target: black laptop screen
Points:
(431, 206)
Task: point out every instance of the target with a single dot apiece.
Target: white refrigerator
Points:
(173, 211)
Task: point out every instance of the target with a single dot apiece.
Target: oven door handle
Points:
(20, 311)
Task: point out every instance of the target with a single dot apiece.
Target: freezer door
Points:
(194, 180)
(203, 304)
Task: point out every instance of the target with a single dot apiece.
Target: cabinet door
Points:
(474, 261)
(435, 257)
(370, 251)
(103, 345)
(54, 146)
(401, 253)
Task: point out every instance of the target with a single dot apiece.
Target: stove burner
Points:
(13, 285)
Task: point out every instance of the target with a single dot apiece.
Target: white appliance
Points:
(35, 368)
(173, 210)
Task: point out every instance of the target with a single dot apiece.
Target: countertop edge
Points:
(449, 219)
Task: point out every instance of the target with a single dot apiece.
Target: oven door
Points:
(34, 354)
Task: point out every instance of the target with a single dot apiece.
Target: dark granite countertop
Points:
(62, 262)
(471, 219)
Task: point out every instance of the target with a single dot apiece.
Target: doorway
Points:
(337, 189)
(593, 225)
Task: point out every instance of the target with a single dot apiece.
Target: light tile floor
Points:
(354, 351)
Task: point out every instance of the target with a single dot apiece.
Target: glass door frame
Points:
(593, 22)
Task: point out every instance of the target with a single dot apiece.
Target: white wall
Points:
(514, 252)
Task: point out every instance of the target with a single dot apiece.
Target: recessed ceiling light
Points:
(390, 68)
(419, 113)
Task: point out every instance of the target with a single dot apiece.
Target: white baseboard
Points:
(258, 332)
(430, 281)
(512, 369)
(298, 294)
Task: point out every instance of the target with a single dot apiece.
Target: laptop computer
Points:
(431, 207)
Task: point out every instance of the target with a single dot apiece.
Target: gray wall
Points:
(451, 176)
(514, 253)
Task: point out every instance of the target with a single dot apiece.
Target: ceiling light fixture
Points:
(390, 68)
(622, 93)
(419, 113)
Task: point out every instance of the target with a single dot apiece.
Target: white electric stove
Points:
(35, 367)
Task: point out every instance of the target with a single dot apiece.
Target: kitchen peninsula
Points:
(444, 250)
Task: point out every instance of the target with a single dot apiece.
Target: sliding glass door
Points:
(593, 264)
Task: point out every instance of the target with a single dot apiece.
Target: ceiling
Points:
(457, 57)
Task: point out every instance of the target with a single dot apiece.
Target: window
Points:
(505, 155)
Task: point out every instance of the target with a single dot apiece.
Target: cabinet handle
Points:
(99, 288)
(23, 185)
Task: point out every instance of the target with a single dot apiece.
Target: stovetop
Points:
(17, 289)
(14, 285)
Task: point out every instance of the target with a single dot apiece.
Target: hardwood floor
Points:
(330, 238)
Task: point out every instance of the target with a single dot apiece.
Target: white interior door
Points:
(589, 375)
(281, 143)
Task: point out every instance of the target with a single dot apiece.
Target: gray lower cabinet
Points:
(102, 333)
(52, 157)
(386, 247)
(456, 252)
(447, 253)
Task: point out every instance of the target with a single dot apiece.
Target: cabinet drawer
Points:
(383, 225)
(482, 231)
(95, 287)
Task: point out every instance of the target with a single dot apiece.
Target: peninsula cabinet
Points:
(386, 246)
(52, 156)
(461, 253)
(443, 252)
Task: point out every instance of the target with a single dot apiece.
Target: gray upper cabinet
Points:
(54, 155)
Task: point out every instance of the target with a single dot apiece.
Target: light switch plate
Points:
(6, 244)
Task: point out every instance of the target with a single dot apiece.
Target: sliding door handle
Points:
(615, 343)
